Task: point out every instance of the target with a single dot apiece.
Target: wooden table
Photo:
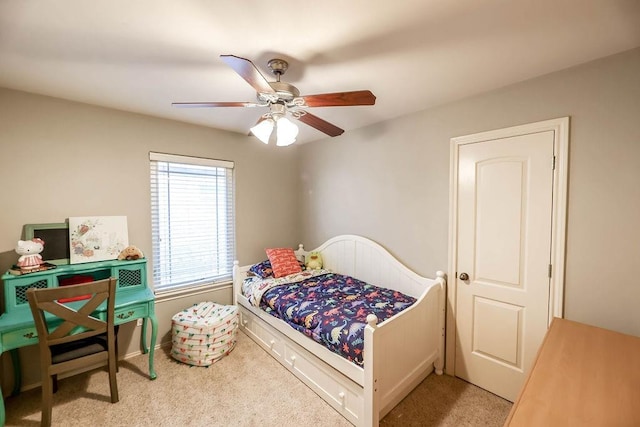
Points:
(583, 376)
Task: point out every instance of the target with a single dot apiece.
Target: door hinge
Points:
(550, 268)
(553, 163)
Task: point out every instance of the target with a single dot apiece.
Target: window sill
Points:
(194, 290)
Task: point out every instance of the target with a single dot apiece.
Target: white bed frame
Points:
(398, 353)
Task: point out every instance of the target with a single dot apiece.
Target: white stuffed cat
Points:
(29, 251)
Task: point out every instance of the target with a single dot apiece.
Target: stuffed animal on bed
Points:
(314, 261)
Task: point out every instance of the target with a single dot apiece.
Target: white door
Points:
(504, 229)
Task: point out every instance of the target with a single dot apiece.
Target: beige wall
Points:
(390, 182)
(62, 159)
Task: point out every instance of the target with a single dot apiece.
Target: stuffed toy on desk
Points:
(130, 253)
(29, 251)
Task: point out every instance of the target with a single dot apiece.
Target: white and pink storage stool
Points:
(204, 333)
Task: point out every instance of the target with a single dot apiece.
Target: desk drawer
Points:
(127, 314)
(29, 335)
(19, 338)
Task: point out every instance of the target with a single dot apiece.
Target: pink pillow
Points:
(283, 261)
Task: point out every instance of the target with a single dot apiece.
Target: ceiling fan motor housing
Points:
(284, 91)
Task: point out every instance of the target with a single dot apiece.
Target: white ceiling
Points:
(141, 55)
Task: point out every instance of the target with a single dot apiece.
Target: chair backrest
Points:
(75, 323)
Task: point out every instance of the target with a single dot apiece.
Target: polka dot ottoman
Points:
(204, 333)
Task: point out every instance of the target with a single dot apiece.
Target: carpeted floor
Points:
(246, 388)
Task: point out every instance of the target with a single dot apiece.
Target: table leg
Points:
(145, 349)
(152, 346)
(17, 381)
(17, 374)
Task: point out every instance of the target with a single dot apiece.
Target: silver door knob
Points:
(464, 276)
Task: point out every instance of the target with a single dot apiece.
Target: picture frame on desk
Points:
(97, 238)
(56, 240)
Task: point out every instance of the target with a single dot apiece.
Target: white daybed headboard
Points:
(366, 260)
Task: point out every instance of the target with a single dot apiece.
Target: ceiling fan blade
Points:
(339, 99)
(320, 124)
(215, 104)
(249, 72)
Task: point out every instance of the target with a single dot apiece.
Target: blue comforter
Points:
(332, 309)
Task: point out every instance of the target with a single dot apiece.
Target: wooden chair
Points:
(77, 340)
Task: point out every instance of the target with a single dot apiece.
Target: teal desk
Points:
(134, 300)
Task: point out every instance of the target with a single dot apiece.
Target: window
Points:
(192, 221)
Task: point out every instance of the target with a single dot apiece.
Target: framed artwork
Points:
(97, 238)
(56, 240)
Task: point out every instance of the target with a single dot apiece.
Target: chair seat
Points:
(74, 349)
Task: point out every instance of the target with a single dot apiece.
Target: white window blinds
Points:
(192, 221)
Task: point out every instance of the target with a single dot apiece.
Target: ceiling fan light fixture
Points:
(286, 132)
(263, 130)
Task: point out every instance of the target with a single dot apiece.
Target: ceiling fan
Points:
(283, 99)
